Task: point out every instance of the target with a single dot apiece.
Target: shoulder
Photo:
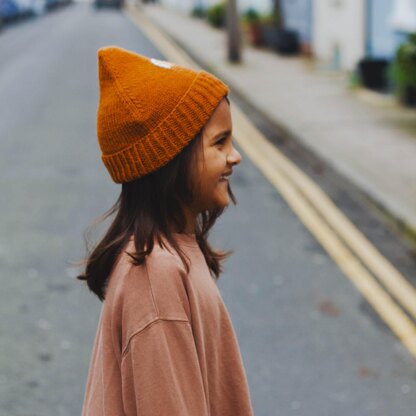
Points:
(160, 264)
(168, 283)
(140, 295)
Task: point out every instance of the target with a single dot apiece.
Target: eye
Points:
(222, 140)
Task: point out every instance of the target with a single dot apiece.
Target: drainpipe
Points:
(278, 13)
(368, 21)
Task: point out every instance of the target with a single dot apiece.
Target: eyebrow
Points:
(223, 133)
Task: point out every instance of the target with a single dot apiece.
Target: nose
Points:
(234, 157)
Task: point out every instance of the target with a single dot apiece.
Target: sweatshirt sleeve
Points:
(161, 373)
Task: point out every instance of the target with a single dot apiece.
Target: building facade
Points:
(263, 6)
(388, 23)
(344, 31)
(299, 16)
(339, 31)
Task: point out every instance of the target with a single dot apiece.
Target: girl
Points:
(165, 344)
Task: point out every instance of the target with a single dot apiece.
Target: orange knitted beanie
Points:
(149, 110)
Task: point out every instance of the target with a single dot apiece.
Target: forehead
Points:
(220, 120)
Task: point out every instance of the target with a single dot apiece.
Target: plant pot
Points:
(283, 41)
(404, 71)
(409, 96)
(255, 34)
(373, 73)
(287, 42)
(269, 34)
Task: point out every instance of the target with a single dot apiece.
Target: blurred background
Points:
(321, 286)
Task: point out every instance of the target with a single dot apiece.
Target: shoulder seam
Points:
(148, 325)
(177, 263)
(173, 255)
(151, 289)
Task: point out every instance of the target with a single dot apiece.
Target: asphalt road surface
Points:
(311, 345)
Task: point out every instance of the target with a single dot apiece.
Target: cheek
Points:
(215, 162)
(210, 172)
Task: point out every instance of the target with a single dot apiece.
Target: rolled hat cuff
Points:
(171, 135)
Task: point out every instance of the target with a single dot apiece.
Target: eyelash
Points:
(222, 140)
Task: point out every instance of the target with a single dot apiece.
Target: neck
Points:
(190, 225)
(190, 222)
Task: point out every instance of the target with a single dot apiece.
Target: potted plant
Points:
(404, 71)
(216, 15)
(251, 19)
(268, 29)
(287, 42)
(198, 12)
(373, 73)
(278, 38)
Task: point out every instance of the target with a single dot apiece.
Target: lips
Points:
(224, 176)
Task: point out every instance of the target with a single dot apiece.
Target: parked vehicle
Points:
(52, 4)
(38, 7)
(24, 7)
(31, 7)
(15, 9)
(9, 10)
(118, 4)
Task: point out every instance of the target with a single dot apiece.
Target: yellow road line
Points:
(392, 279)
(163, 43)
(307, 200)
(394, 317)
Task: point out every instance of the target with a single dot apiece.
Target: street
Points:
(310, 342)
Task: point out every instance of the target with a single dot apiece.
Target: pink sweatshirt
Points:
(165, 344)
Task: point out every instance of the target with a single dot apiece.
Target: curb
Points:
(407, 230)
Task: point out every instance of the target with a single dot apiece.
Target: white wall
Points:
(404, 15)
(263, 6)
(180, 5)
(338, 31)
(298, 16)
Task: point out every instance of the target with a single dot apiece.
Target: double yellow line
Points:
(388, 291)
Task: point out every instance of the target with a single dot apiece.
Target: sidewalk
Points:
(370, 141)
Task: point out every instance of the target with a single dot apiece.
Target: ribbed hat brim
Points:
(172, 134)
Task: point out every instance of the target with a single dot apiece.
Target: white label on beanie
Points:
(162, 64)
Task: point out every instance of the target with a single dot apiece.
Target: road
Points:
(310, 343)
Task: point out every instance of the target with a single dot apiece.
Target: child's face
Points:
(219, 156)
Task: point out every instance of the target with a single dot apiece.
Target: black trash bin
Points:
(373, 73)
(284, 41)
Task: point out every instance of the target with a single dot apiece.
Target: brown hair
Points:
(147, 208)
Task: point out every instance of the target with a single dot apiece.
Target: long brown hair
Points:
(146, 209)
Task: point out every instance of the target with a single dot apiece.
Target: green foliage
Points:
(268, 19)
(199, 11)
(251, 15)
(216, 14)
(404, 65)
(354, 80)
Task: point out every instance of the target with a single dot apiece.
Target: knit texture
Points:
(149, 110)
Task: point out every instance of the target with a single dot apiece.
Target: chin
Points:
(223, 203)
(220, 200)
